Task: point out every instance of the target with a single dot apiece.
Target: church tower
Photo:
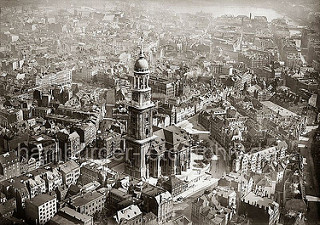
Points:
(140, 135)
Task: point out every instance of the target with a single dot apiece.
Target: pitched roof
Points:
(296, 205)
(127, 213)
(265, 182)
(69, 166)
(173, 181)
(75, 214)
(171, 135)
(165, 196)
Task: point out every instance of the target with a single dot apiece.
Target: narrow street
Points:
(311, 185)
(184, 207)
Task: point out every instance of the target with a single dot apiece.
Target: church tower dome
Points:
(141, 65)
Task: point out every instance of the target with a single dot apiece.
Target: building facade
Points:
(70, 172)
(40, 209)
(88, 203)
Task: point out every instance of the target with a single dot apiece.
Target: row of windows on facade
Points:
(44, 214)
(94, 204)
(47, 204)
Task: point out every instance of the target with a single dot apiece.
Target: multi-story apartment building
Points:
(89, 203)
(87, 132)
(90, 173)
(41, 112)
(162, 86)
(69, 216)
(227, 128)
(69, 144)
(53, 179)
(254, 59)
(288, 121)
(43, 148)
(115, 196)
(253, 161)
(40, 209)
(261, 210)
(36, 185)
(174, 185)
(10, 116)
(158, 202)
(9, 165)
(208, 210)
(241, 183)
(70, 172)
(184, 111)
(226, 196)
(62, 78)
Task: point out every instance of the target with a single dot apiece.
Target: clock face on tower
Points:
(135, 96)
(146, 96)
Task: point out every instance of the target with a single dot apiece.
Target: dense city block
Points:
(159, 112)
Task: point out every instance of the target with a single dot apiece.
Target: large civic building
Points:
(151, 154)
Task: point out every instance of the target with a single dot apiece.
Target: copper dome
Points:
(141, 64)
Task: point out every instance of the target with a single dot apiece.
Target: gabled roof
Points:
(74, 135)
(296, 205)
(165, 196)
(171, 135)
(265, 182)
(127, 213)
(268, 168)
(79, 216)
(173, 181)
(69, 166)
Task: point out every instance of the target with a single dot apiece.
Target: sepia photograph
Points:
(159, 112)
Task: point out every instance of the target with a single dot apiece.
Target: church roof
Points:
(173, 181)
(170, 136)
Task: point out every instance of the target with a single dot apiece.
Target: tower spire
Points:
(141, 47)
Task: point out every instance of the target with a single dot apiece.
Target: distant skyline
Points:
(271, 9)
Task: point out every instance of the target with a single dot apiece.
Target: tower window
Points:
(141, 83)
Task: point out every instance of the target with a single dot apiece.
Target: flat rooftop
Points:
(85, 199)
(278, 109)
(76, 215)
